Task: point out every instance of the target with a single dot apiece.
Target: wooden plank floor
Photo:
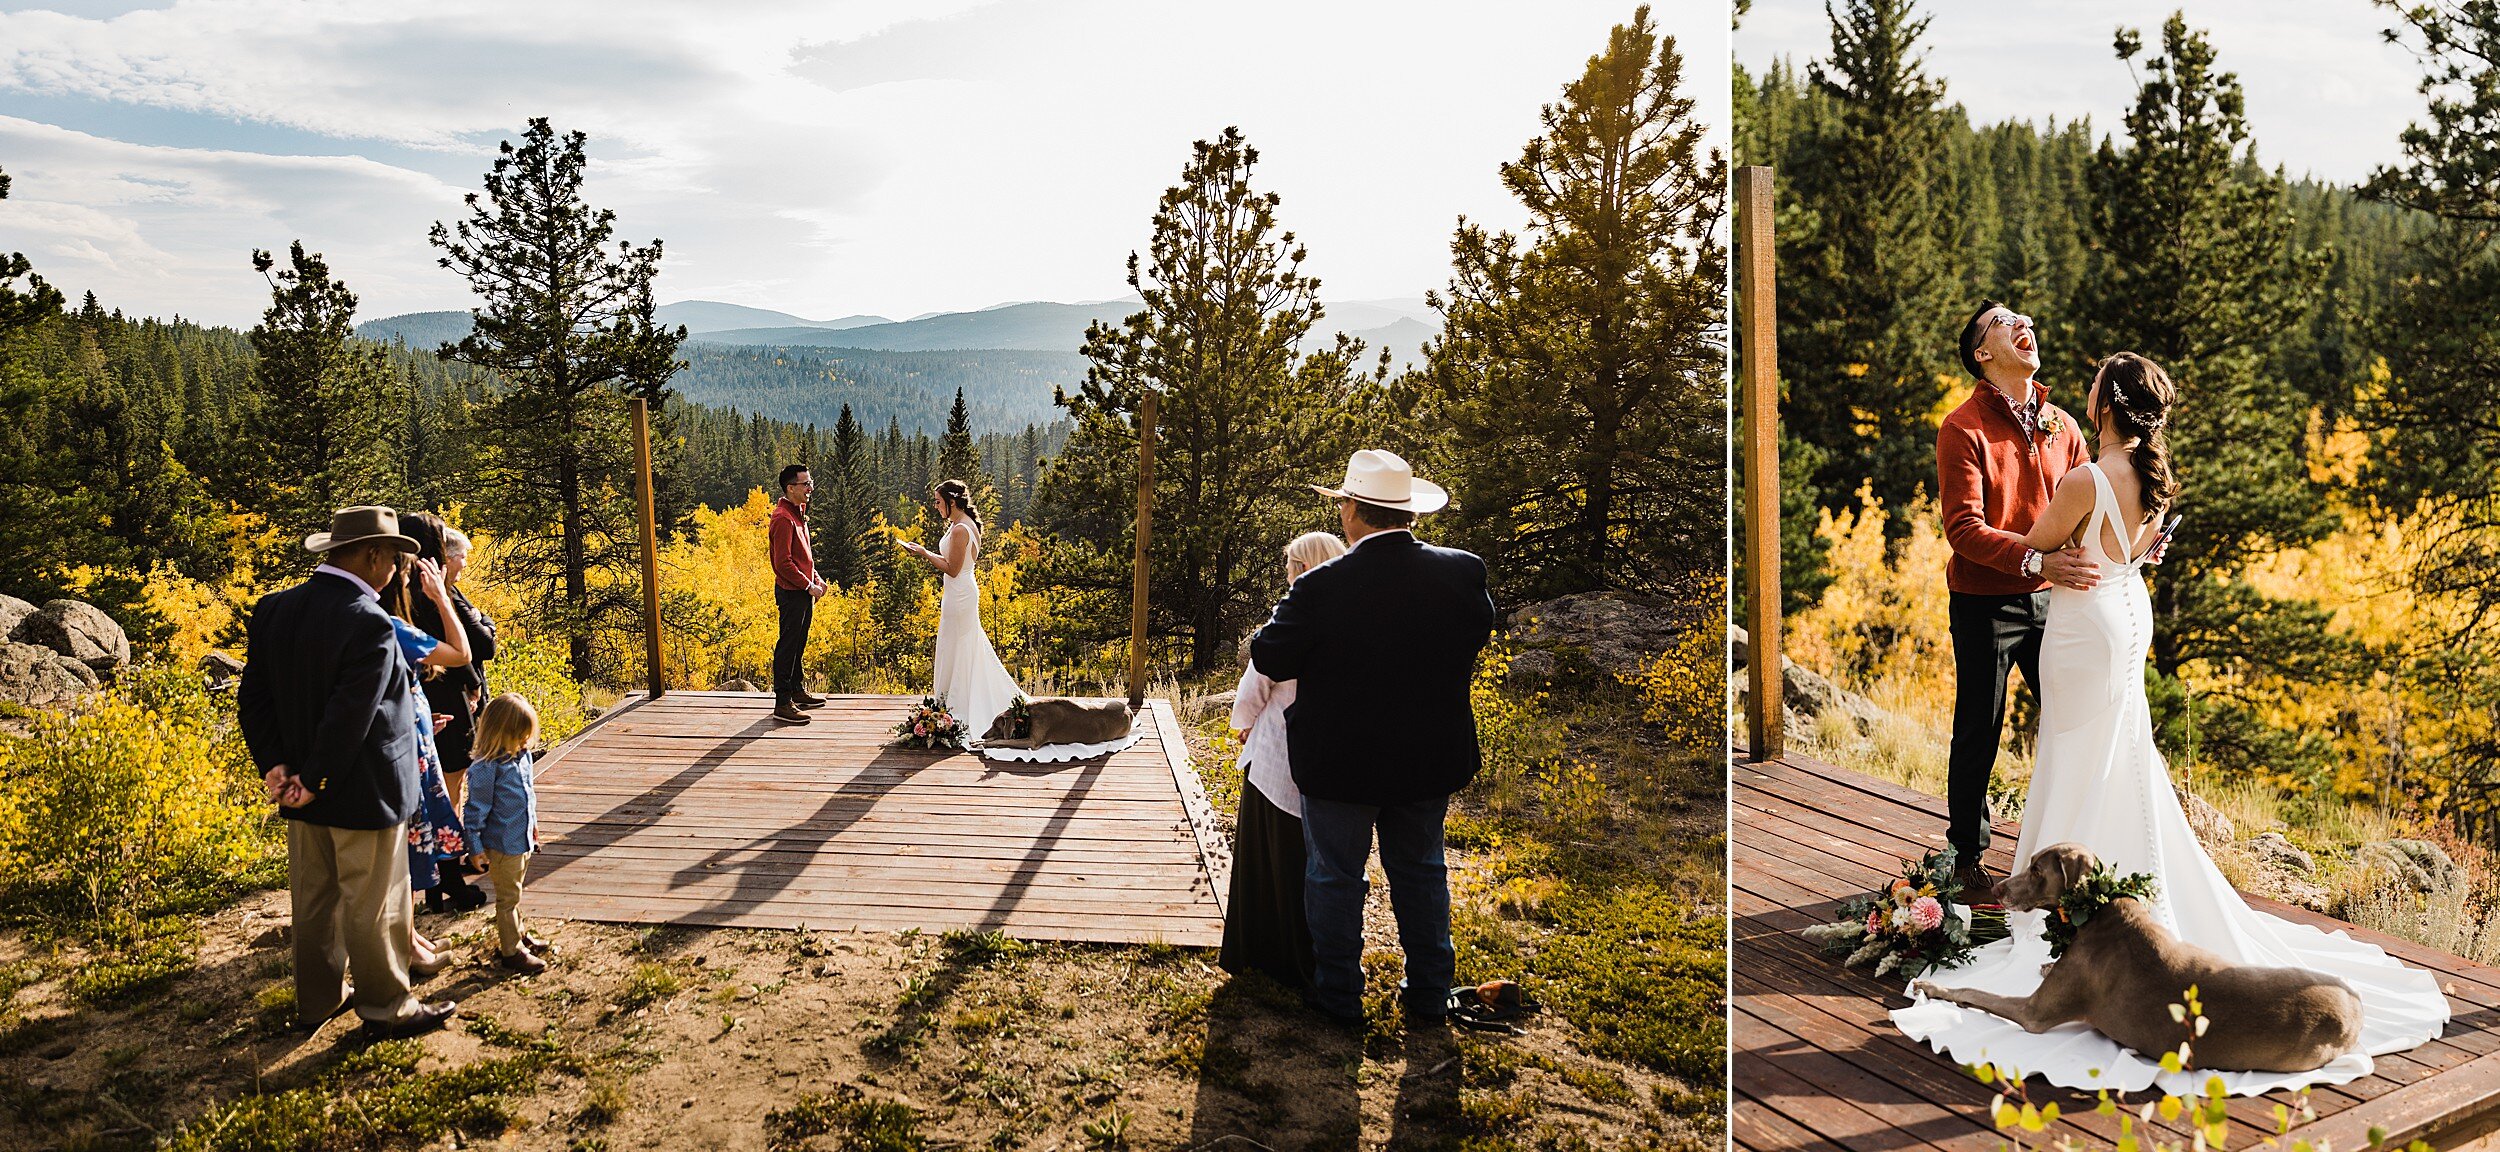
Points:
(698, 808)
(1819, 1065)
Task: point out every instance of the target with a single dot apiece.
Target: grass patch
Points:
(373, 1098)
(649, 984)
(864, 1125)
(155, 954)
(1640, 980)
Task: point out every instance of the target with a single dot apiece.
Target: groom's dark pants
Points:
(798, 609)
(1990, 633)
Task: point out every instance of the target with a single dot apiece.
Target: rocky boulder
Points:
(13, 612)
(1620, 631)
(220, 670)
(2418, 864)
(38, 677)
(1806, 694)
(78, 630)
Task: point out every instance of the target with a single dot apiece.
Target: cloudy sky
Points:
(820, 158)
(2326, 96)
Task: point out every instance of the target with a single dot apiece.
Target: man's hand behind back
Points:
(2070, 568)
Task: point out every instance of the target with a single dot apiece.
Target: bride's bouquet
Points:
(929, 725)
(1916, 924)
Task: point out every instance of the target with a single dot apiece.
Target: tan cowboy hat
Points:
(1384, 478)
(358, 525)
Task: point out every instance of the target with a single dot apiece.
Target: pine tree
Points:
(957, 458)
(842, 501)
(2193, 266)
(567, 321)
(1579, 375)
(2435, 411)
(1869, 292)
(23, 307)
(325, 432)
(1245, 419)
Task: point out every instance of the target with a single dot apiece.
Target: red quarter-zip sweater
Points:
(1993, 480)
(794, 564)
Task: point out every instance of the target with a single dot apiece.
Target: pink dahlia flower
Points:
(1926, 914)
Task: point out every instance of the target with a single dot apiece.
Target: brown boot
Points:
(520, 960)
(1978, 887)
(788, 713)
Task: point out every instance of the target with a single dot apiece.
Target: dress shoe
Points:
(788, 713)
(537, 946)
(429, 969)
(427, 1017)
(806, 700)
(520, 960)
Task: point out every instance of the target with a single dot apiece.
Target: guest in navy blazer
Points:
(1383, 641)
(327, 711)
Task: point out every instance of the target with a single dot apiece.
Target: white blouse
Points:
(1259, 707)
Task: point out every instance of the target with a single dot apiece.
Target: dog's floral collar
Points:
(2097, 890)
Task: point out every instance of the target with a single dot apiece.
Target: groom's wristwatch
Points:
(2031, 563)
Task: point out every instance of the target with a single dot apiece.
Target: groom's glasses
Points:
(2015, 319)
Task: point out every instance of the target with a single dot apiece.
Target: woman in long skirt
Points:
(1264, 928)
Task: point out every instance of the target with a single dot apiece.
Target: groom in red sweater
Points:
(795, 589)
(1998, 457)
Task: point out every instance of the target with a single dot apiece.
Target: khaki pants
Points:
(506, 874)
(352, 914)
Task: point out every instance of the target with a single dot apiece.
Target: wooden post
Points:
(650, 550)
(1137, 581)
(1758, 339)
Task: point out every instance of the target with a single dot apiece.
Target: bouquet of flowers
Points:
(929, 725)
(1914, 925)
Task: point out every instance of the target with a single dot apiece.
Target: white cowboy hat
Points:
(1383, 478)
(360, 524)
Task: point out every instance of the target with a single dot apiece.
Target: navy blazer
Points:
(326, 693)
(1382, 642)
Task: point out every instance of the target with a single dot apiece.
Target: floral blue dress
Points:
(436, 833)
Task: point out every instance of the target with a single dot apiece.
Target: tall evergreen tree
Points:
(2435, 412)
(325, 431)
(568, 322)
(2193, 265)
(1244, 418)
(843, 508)
(22, 307)
(1869, 290)
(1579, 375)
(957, 458)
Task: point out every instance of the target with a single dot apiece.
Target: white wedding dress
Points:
(967, 674)
(2099, 781)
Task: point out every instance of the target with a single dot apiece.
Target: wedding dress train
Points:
(2099, 781)
(967, 674)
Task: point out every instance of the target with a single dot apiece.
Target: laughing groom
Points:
(1383, 641)
(1998, 457)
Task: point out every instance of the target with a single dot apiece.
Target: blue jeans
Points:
(1337, 838)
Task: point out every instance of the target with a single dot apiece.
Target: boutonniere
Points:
(2052, 422)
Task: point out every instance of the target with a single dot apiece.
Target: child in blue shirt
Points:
(502, 819)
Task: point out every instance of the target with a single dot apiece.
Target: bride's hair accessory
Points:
(959, 494)
(2141, 395)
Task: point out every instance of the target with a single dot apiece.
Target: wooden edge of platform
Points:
(1214, 856)
(2443, 1110)
(627, 703)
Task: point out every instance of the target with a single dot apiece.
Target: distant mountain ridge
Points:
(1038, 326)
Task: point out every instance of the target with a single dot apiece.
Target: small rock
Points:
(735, 686)
(78, 630)
(220, 669)
(2207, 821)
(2272, 848)
(2420, 864)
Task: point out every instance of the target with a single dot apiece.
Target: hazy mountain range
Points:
(1401, 325)
(1007, 359)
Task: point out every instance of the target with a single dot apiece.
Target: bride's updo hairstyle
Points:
(958, 494)
(2138, 395)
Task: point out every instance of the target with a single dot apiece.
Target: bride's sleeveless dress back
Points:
(2099, 781)
(967, 674)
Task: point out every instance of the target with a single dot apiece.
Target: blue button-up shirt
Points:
(502, 812)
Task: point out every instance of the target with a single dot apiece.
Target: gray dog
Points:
(1060, 720)
(2124, 971)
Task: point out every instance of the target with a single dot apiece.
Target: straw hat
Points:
(1384, 478)
(358, 525)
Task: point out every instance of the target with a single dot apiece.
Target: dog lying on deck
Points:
(1059, 720)
(2124, 970)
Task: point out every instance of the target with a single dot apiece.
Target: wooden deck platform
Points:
(698, 808)
(1818, 1064)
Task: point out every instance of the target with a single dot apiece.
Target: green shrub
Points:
(542, 672)
(1642, 981)
(144, 793)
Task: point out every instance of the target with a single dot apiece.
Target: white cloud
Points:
(2326, 96)
(892, 157)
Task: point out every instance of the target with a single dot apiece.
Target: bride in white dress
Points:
(967, 675)
(2098, 781)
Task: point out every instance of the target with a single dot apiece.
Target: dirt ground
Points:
(733, 1039)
